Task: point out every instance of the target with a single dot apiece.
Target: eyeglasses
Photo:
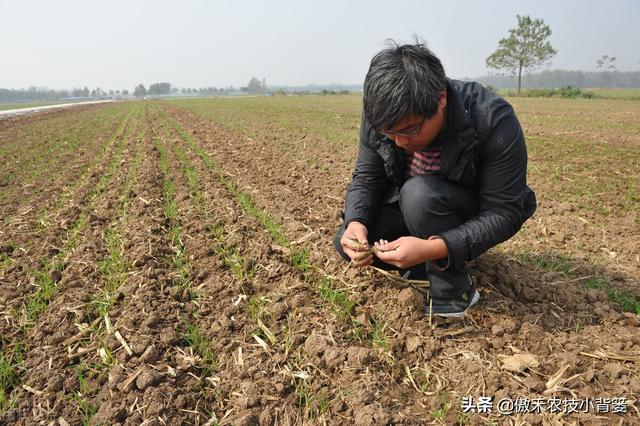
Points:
(408, 132)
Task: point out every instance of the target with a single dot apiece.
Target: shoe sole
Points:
(474, 300)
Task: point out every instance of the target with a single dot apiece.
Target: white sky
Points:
(116, 44)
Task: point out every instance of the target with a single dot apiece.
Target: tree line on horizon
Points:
(45, 94)
(550, 79)
(33, 93)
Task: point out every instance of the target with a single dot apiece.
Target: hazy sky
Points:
(116, 44)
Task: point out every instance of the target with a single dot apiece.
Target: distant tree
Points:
(527, 47)
(255, 86)
(86, 92)
(125, 92)
(606, 62)
(160, 89)
(140, 91)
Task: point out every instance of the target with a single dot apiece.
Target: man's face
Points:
(414, 133)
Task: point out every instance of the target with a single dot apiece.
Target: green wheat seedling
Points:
(257, 118)
(258, 308)
(627, 301)
(113, 270)
(233, 260)
(563, 264)
(79, 397)
(314, 404)
(37, 303)
(11, 369)
(197, 340)
(101, 186)
(300, 259)
(5, 261)
(440, 413)
(170, 204)
(191, 175)
(236, 263)
(380, 340)
(262, 317)
(288, 337)
(337, 298)
(179, 260)
(124, 196)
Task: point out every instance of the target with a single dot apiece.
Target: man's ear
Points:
(442, 99)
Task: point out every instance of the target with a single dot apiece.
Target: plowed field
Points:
(172, 263)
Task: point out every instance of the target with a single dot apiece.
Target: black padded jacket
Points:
(484, 149)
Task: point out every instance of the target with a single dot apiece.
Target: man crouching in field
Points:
(440, 176)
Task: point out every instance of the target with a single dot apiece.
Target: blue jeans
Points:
(428, 205)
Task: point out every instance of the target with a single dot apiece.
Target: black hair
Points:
(402, 80)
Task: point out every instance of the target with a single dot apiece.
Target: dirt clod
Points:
(56, 383)
(613, 369)
(56, 276)
(108, 413)
(147, 377)
(371, 415)
(412, 343)
(411, 298)
(168, 336)
(315, 345)
(519, 362)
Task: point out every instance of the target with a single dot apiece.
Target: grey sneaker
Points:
(443, 284)
(454, 307)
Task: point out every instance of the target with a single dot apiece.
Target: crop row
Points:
(47, 276)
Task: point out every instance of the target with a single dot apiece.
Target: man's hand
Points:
(406, 252)
(358, 252)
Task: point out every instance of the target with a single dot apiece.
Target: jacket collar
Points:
(457, 115)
